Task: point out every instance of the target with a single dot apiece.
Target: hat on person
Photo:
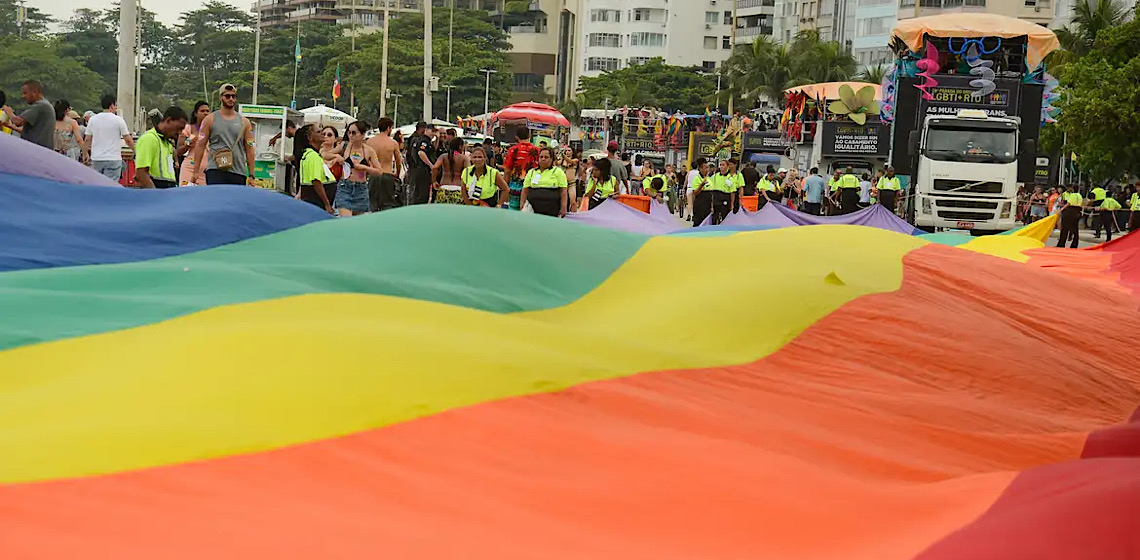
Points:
(73, 114)
(782, 170)
(227, 88)
(613, 147)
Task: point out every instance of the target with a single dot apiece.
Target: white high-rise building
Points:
(754, 18)
(615, 34)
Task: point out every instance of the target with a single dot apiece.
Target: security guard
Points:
(888, 188)
(770, 188)
(848, 192)
(1071, 216)
(1134, 206)
(724, 185)
(1108, 208)
(833, 192)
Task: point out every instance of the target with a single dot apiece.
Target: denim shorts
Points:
(110, 169)
(352, 196)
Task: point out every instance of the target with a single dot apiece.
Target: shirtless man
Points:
(382, 191)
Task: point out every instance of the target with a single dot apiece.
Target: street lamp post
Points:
(449, 88)
(396, 109)
(384, 64)
(427, 62)
(256, 49)
(487, 99)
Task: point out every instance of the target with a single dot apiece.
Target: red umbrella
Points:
(531, 112)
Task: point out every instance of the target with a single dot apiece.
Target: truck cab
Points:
(966, 175)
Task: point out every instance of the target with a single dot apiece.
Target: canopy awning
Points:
(830, 90)
(532, 113)
(1042, 40)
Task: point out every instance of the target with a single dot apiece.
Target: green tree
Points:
(872, 74)
(36, 23)
(1100, 113)
(62, 77)
(651, 84)
(1090, 17)
(764, 69)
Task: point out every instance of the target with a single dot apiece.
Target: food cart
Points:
(269, 121)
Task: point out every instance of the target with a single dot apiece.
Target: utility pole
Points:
(352, 88)
(450, 34)
(732, 49)
(128, 30)
(384, 65)
(487, 100)
(449, 88)
(138, 68)
(256, 50)
(427, 61)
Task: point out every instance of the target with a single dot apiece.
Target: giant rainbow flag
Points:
(448, 382)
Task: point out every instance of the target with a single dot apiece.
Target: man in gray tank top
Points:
(231, 144)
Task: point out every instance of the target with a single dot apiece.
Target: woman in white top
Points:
(865, 190)
(69, 141)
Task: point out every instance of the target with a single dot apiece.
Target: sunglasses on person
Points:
(229, 96)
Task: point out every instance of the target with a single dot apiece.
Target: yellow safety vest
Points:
(1099, 193)
(647, 183)
(1110, 204)
(602, 190)
(726, 183)
(1135, 202)
(848, 182)
(770, 186)
(483, 187)
(1074, 199)
(889, 184)
(553, 178)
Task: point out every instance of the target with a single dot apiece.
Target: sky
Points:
(168, 11)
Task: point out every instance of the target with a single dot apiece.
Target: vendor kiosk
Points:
(269, 167)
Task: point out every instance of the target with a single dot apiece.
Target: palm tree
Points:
(1090, 17)
(873, 74)
(631, 94)
(763, 68)
(571, 108)
(817, 61)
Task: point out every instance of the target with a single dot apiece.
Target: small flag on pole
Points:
(336, 84)
(297, 51)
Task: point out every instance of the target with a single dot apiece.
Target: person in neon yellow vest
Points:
(848, 186)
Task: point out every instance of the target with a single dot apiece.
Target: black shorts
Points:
(547, 202)
(383, 193)
(219, 177)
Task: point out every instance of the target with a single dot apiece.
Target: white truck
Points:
(966, 174)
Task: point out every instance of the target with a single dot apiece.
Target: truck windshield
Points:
(978, 145)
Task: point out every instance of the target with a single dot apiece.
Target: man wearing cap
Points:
(618, 166)
(231, 144)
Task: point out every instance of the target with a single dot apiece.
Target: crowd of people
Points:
(362, 170)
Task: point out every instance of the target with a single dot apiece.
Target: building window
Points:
(708, 65)
(726, 43)
(710, 42)
(641, 14)
(976, 3)
(1030, 2)
(874, 26)
(728, 18)
(639, 60)
(712, 17)
(602, 64)
(605, 16)
(874, 2)
(644, 39)
(605, 40)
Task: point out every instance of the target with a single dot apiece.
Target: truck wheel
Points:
(981, 232)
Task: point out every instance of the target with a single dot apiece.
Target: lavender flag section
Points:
(20, 157)
(779, 215)
(615, 215)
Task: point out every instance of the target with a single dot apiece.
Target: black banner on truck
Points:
(765, 142)
(955, 92)
(848, 138)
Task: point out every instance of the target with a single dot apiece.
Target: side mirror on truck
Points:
(912, 143)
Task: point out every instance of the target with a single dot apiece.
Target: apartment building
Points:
(366, 14)
(754, 18)
(616, 34)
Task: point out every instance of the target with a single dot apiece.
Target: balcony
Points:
(754, 31)
(745, 4)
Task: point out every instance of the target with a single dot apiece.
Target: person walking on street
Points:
(69, 140)
(544, 187)
(359, 163)
(484, 185)
(618, 167)
(1071, 217)
(382, 189)
(154, 157)
(888, 187)
(848, 192)
(701, 188)
(188, 141)
(447, 173)
(1134, 207)
(1107, 211)
(813, 191)
(229, 138)
(519, 160)
(421, 154)
(37, 123)
(106, 133)
(769, 188)
(314, 174)
(602, 184)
